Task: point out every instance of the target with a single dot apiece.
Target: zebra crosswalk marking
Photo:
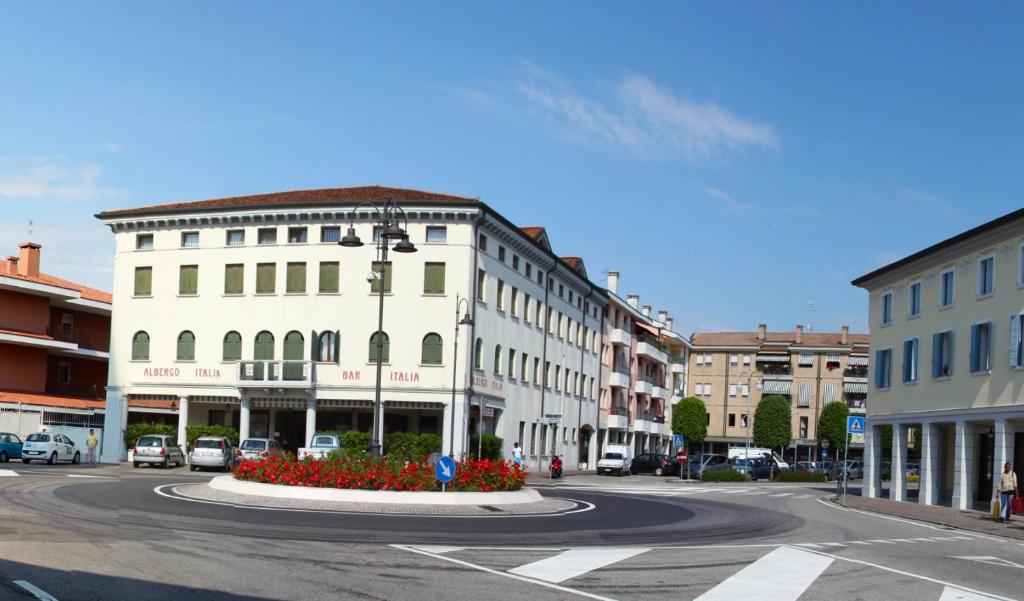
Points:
(574, 562)
(782, 575)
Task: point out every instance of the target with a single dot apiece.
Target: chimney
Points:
(633, 300)
(663, 316)
(613, 282)
(668, 324)
(647, 310)
(845, 337)
(762, 331)
(799, 334)
(11, 265)
(28, 259)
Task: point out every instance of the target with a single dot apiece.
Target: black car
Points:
(653, 463)
(755, 468)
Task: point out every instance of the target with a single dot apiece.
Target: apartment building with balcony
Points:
(246, 311)
(54, 342)
(732, 371)
(947, 357)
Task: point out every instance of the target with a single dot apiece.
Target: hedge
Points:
(404, 446)
(801, 476)
(491, 447)
(354, 443)
(723, 476)
(135, 431)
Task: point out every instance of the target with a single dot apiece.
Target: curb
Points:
(934, 522)
(388, 497)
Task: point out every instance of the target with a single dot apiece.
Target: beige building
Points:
(946, 357)
(731, 371)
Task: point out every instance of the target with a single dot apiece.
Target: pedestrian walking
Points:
(91, 442)
(1008, 489)
(517, 454)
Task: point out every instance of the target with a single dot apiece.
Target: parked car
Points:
(212, 451)
(50, 447)
(709, 462)
(10, 447)
(653, 463)
(321, 446)
(913, 469)
(855, 469)
(258, 448)
(614, 461)
(157, 449)
(755, 468)
(813, 467)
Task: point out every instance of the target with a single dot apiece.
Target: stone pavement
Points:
(975, 521)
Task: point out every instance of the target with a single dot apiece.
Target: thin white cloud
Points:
(53, 178)
(924, 199)
(735, 206)
(644, 118)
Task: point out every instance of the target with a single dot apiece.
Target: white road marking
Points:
(573, 563)
(438, 548)
(811, 545)
(954, 594)
(996, 561)
(974, 535)
(37, 592)
(859, 542)
(8, 473)
(878, 540)
(782, 575)
(88, 476)
(803, 496)
(783, 494)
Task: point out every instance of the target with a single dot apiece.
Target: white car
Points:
(49, 447)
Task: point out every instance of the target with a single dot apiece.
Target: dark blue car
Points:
(10, 447)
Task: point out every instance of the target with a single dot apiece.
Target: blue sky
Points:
(733, 160)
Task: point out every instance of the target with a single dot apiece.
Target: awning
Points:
(777, 387)
(855, 387)
(831, 357)
(856, 361)
(806, 359)
(804, 398)
(773, 358)
(650, 329)
(830, 393)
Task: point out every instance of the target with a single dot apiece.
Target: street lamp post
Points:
(465, 321)
(748, 375)
(388, 218)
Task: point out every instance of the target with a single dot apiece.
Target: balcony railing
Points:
(281, 374)
(82, 391)
(83, 340)
(678, 365)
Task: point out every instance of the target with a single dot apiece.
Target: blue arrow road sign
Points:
(444, 469)
(677, 441)
(855, 424)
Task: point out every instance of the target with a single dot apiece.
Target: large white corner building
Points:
(246, 311)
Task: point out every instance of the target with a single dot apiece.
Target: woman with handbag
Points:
(1007, 491)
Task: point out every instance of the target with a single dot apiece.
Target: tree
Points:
(690, 418)
(772, 422)
(832, 425)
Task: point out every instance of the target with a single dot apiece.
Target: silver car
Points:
(212, 451)
(258, 448)
(156, 449)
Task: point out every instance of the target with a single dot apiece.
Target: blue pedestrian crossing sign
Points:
(677, 441)
(855, 424)
(444, 469)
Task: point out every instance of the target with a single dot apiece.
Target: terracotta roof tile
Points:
(573, 262)
(150, 404)
(52, 280)
(48, 400)
(295, 198)
(810, 339)
(533, 231)
(26, 333)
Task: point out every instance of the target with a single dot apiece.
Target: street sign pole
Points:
(846, 475)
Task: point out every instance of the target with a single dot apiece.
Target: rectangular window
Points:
(561, 325)
(512, 363)
(329, 277)
(234, 279)
(986, 276)
(188, 279)
(433, 278)
(266, 278)
(700, 358)
(297, 235)
(803, 426)
(144, 242)
(539, 313)
(746, 359)
(547, 374)
(235, 238)
(732, 420)
(551, 321)
(143, 281)
(189, 239)
(384, 273)
(377, 232)
(63, 372)
(946, 288)
(481, 284)
(501, 253)
(746, 390)
(911, 352)
(501, 296)
(536, 370)
(558, 377)
(514, 301)
(942, 354)
(526, 308)
(437, 234)
(483, 243)
(887, 308)
(743, 420)
(1017, 340)
(732, 390)
(570, 297)
(734, 359)
(529, 266)
(707, 359)
(266, 235)
(330, 233)
(707, 389)
(914, 300)
(515, 262)
(981, 347)
(883, 369)
(295, 282)
(524, 364)
(540, 278)
(561, 291)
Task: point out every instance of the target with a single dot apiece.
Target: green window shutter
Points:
(432, 349)
(375, 284)
(188, 279)
(266, 278)
(264, 350)
(328, 277)
(234, 279)
(385, 351)
(232, 346)
(143, 281)
(433, 278)
(140, 347)
(186, 346)
(296, 282)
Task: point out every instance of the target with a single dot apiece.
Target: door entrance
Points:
(985, 466)
(290, 427)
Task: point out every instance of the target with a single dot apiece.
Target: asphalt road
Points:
(109, 536)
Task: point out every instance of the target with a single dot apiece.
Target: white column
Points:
(182, 421)
(112, 449)
(243, 419)
(963, 466)
(1003, 453)
(928, 487)
(310, 420)
(898, 482)
(872, 459)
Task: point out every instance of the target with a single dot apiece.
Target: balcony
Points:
(620, 336)
(84, 391)
(659, 392)
(642, 424)
(678, 365)
(643, 387)
(276, 374)
(617, 418)
(618, 379)
(648, 349)
(84, 340)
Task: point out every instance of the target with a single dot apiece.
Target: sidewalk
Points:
(545, 476)
(975, 521)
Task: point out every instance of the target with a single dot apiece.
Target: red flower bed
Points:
(366, 474)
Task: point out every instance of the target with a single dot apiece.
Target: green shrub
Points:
(355, 443)
(801, 476)
(724, 476)
(194, 432)
(134, 431)
(491, 447)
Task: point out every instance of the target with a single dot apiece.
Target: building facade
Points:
(947, 358)
(247, 312)
(732, 371)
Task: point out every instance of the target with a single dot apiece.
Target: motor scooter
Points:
(556, 466)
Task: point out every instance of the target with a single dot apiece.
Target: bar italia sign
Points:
(206, 373)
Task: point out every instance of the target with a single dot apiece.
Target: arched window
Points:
(497, 360)
(380, 341)
(432, 349)
(232, 346)
(186, 346)
(264, 349)
(294, 344)
(327, 347)
(140, 346)
(478, 354)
